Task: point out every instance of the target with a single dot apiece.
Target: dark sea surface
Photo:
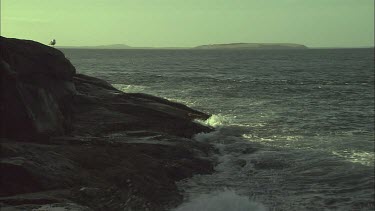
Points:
(295, 128)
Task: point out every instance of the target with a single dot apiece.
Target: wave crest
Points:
(129, 88)
(217, 120)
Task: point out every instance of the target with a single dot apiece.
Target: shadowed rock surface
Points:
(73, 141)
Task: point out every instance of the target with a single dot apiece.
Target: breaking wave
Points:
(129, 88)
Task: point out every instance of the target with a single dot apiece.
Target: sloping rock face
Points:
(71, 141)
(98, 100)
(36, 83)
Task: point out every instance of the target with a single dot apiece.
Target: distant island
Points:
(118, 46)
(113, 46)
(211, 46)
(253, 46)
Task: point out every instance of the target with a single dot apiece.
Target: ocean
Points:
(294, 128)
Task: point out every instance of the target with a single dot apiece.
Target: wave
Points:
(129, 88)
(364, 158)
(217, 120)
(221, 120)
(276, 171)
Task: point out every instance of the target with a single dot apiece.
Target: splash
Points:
(129, 88)
(221, 201)
(217, 120)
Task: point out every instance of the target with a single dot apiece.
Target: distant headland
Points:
(112, 46)
(253, 46)
(210, 46)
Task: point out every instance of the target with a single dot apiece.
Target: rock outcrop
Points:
(73, 141)
(36, 83)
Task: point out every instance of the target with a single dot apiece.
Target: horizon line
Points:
(103, 46)
(177, 47)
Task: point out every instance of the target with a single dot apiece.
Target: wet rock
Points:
(90, 192)
(49, 207)
(16, 178)
(89, 145)
(130, 112)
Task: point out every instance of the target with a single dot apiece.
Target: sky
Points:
(188, 23)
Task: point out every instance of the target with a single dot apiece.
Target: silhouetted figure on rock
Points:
(53, 42)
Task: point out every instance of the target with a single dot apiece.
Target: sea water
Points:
(294, 128)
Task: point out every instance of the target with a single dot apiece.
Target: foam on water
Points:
(226, 200)
(281, 178)
(129, 88)
(364, 158)
(299, 142)
(216, 120)
(294, 130)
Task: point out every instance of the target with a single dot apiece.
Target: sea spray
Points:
(129, 88)
(217, 120)
(308, 119)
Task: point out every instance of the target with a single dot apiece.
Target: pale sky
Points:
(187, 23)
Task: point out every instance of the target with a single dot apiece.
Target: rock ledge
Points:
(72, 141)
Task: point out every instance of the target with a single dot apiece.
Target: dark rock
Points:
(32, 59)
(73, 140)
(103, 176)
(47, 206)
(16, 178)
(36, 85)
(42, 97)
(125, 111)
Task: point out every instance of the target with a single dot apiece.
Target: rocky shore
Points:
(74, 142)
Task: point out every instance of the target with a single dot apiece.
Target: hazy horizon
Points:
(167, 23)
(178, 47)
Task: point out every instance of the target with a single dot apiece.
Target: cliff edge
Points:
(73, 141)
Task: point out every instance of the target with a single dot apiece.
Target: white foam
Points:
(217, 120)
(294, 142)
(129, 88)
(226, 200)
(364, 158)
(222, 135)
